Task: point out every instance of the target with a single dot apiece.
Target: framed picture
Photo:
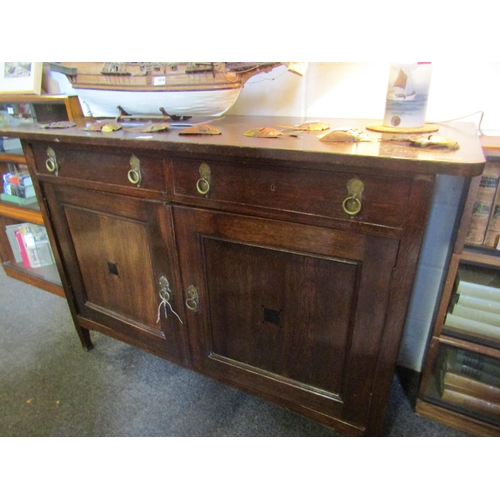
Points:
(21, 77)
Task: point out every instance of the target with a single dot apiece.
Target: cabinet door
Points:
(119, 255)
(292, 312)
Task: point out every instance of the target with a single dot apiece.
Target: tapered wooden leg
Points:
(85, 339)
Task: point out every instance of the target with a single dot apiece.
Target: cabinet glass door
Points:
(466, 382)
(474, 310)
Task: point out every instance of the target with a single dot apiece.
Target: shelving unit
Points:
(460, 383)
(44, 108)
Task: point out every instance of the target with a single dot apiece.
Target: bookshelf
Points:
(460, 382)
(29, 109)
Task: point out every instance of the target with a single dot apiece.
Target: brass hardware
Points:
(134, 174)
(165, 291)
(203, 183)
(166, 296)
(192, 300)
(352, 204)
(51, 161)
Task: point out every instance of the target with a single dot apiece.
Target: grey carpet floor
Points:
(50, 387)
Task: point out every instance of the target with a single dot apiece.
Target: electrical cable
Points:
(462, 117)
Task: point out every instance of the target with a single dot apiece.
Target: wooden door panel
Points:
(115, 250)
(272, 310)
(294, 313)
(109, 265)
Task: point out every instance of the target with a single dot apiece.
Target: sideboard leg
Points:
(85, 339)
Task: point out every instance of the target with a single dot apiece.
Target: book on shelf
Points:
(22, 249)
(9, 144)
(472, 328)
(469, 386)
(471, 403)
(476, 312)
(17, 168)
(30, 244)
(472, 365)
(457, 376)
(492, 238)
(17, 199)
(483, 204)
(18, 184)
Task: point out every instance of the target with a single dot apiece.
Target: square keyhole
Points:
(113, 268)
(272, 316)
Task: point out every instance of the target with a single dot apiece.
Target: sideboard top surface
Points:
(379, 153)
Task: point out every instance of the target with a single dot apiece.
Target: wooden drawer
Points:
(321, 193)
(102, 167)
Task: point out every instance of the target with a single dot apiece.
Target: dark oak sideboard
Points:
(281, 266)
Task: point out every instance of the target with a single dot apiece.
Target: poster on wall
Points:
(21, 77)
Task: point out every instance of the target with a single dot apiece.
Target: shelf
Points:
(14, 156)
(467, 326)
(28, 213)
(29, 109)
(461, 339)
(481, 256)
(46, 278)
(47, 107)
(491, 144)
(455, 419)
(463, 391)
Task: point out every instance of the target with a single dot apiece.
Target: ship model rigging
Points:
(176, 89)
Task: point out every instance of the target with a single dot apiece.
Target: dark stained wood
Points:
(107, 167)
(375, 155)
(297, 301)
(403, 279)
(296, 190)
(107, 243)
(297, 310)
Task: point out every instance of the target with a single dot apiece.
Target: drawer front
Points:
(110, 166)
(383, 200)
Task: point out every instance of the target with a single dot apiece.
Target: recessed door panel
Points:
(115, 263)
(272, 310)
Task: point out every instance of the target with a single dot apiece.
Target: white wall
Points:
(358, 90)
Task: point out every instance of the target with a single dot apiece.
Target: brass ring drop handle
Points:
(134, 174)
(203, 183)
(203, 186)
(134, 177)
(352, 204)
(192, 300)
(191, 304)
(51, 161)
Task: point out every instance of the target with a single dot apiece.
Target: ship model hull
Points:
(179, 89)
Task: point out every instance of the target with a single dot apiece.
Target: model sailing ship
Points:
(151, 88)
